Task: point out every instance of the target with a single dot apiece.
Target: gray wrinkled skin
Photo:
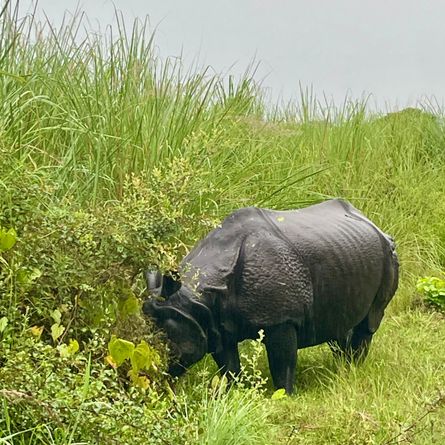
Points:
(320, 274)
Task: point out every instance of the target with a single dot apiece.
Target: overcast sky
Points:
(392, 49)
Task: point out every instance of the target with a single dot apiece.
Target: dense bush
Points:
(79, 398)
(70, 395)
(83, 261)
(70, 280)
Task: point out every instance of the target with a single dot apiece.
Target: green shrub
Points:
(74, 394)
(82, 262)
(70, 277)
(433, 290)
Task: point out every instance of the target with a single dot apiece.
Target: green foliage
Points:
(65, 391)
(433, 290)
(120, 350)
(143, 359)
(8, 238)
(75, 396)
(251, 374)
(82, 264)
(279, 394)
(234, 416)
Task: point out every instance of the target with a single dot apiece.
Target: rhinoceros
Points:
(324, 273)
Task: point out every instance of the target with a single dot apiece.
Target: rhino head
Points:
(186, 320)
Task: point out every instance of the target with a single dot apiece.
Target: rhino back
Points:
(345, 256)
(319, 267)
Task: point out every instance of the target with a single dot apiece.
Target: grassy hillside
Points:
(112, 161)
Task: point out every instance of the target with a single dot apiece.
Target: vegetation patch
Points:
(433, 290)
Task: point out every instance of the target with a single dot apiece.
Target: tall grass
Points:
(96, 109)
(92, 111)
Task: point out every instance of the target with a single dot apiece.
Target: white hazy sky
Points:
(392, 49)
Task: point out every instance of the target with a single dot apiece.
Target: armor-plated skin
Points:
(308, 276)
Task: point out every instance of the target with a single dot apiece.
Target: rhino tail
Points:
(388, 286)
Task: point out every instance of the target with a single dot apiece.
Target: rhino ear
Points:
(171, 283)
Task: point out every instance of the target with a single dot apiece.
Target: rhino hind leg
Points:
(354, 345)
(281, 347)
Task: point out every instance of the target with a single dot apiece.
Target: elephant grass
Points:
(87, 113)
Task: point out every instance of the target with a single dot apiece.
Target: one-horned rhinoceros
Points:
(324, 273)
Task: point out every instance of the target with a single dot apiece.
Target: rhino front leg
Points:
(228, 359)
(281, 347)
